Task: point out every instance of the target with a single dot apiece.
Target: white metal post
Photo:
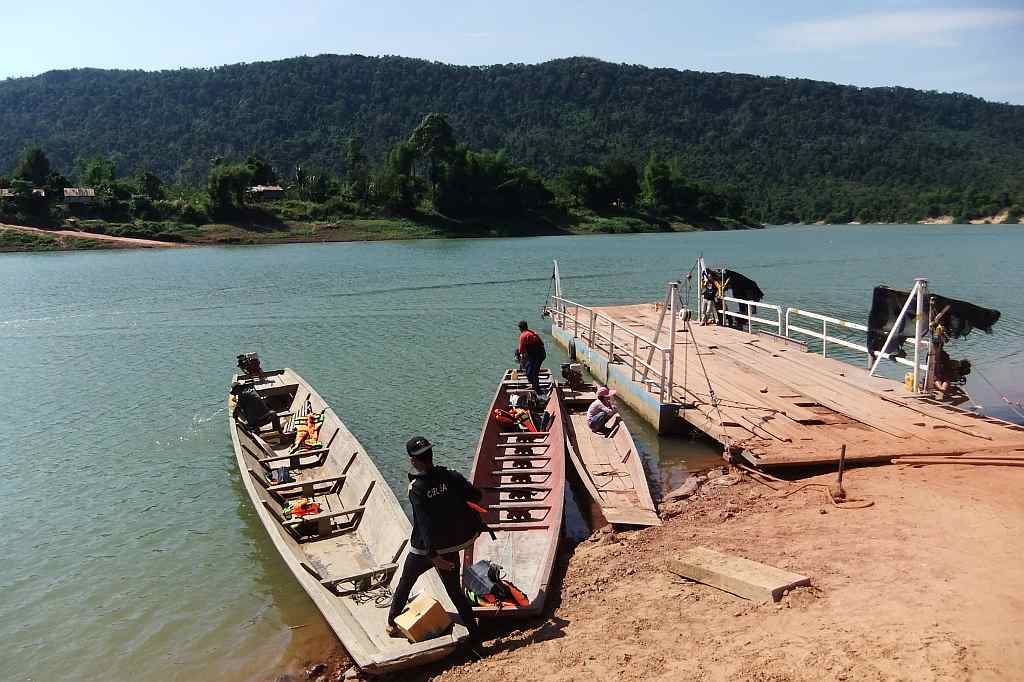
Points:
(593, 323)
(611, 344)
(895, 328)
(673, 292)
(632, 376)
(663, 382)
(558, 282)
(921, 284)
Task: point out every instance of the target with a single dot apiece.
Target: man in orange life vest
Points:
(531, 353)
(443, 524)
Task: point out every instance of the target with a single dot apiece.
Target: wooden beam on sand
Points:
(991, 461)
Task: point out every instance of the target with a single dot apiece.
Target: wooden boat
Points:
(348, 553)
(522, 475)
(609, 466)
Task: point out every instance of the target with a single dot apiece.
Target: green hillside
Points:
(793, 149)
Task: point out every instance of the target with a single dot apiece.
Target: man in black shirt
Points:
(253, 408)
(443, 524)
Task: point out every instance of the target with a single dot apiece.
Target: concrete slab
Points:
(739, 576)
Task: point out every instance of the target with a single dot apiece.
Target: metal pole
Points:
(673, 292)
(663, 376)
(919, 322)
(611, 344)
(593, 323)
(632, 376)
(657, 333)
(892, 332)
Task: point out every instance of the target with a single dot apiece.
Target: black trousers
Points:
(418, 564)
(532, 367)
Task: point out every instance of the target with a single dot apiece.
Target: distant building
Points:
(79, 195)
(8, 193)
(265, 192)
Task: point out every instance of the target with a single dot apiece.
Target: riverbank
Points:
(420, 226)
(904, 589)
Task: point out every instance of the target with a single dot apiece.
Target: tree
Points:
(623, 181)
(357, 171)
(226, 185)
(149, 185)
(434, 140)
(262, 172)
(98, 173)
(397, 189)
(656, 192)
(33, 167)
(586, 186)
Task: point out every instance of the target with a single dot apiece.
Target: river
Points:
(131, 550)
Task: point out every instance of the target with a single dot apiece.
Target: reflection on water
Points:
(131, 549)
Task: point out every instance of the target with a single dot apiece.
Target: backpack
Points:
(485, 587)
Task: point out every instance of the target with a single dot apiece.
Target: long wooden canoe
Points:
(609, 466)
(351, 553)
(523, 478)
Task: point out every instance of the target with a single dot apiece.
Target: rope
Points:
(547, 297)
(381, 597)
(1013, 404)
(827, 489)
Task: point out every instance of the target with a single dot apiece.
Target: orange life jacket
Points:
(307, 435)
(301, 507)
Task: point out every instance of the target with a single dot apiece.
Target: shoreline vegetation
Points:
(430, 185)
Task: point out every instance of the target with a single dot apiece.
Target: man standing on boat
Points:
(443, 524)
(531, 353)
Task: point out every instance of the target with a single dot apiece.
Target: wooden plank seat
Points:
(512, 525)
(524, 446)
(524, 434)
(520, 458)
(304, 488)
(321, 525)
(519, 472)
(295, 458)
(518, 486)
(361, 581)
(519, 505)
(308, 487)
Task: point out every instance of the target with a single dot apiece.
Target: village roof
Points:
(5, 192)
(79, 192)
(266, 188)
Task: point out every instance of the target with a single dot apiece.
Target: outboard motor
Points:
(573, 374)
(249, 363)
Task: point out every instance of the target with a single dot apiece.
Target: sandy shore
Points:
(927, 584)
(121, 242)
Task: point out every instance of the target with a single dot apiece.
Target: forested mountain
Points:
(792, 148)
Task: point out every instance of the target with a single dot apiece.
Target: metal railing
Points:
(754, 307)
(617, 342)
(827, 338)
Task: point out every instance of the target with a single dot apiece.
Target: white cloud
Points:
(925, 27)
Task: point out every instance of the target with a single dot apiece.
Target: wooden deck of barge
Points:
(779, 405)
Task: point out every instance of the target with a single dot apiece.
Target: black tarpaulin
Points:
(742, 286)
(958, 321)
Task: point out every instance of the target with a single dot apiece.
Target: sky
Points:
(972, 47)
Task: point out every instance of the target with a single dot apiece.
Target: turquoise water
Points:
(131, 552)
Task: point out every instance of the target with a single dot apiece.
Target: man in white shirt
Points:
(601, 410)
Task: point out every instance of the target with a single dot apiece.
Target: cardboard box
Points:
(423, 619)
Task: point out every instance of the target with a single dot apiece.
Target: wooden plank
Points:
(739, 576)
(959, 460)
